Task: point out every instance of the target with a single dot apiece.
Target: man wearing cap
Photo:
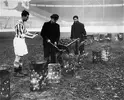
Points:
(50, 33)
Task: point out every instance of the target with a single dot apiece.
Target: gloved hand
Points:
(55, 43)
(48, 40)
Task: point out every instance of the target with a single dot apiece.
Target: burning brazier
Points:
(96, 56)
(54, 73)
(101, 38)
(120, 36)
(38, 75)
(108, 37)
(102, 55)
(96, 37)
(4, 85)
(105, 55)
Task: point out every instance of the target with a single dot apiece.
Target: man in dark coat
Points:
(50, 33)
(78, 31)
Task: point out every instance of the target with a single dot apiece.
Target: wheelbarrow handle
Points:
(72, 42)
(82, 43)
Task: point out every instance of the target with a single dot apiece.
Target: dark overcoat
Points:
(50, 31)
(78, 31)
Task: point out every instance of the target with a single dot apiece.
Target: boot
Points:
(17, 72)
(21, 71)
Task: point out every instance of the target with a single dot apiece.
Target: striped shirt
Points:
(20, 29)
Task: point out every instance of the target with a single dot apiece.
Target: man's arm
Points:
(28, 36)
(84, 32)
(43, 31)
(58, 33)
(71, 32)
(28, 33)
(24, 33)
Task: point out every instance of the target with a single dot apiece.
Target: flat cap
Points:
(54, 16)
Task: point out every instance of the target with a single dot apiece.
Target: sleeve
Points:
(28, 33)
(20, 29)
(43, 31)
(58, 33)
(84, 32)
(71, 32)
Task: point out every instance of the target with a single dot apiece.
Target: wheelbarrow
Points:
(65, 55)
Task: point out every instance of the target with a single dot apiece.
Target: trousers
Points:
(49, 52)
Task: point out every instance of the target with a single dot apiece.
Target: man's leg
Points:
(77, 47)
(53, 55)
(16, 61)
(81, 48)
(17, 67)
(46, 49)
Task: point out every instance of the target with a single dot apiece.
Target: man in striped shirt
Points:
(20, 47)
